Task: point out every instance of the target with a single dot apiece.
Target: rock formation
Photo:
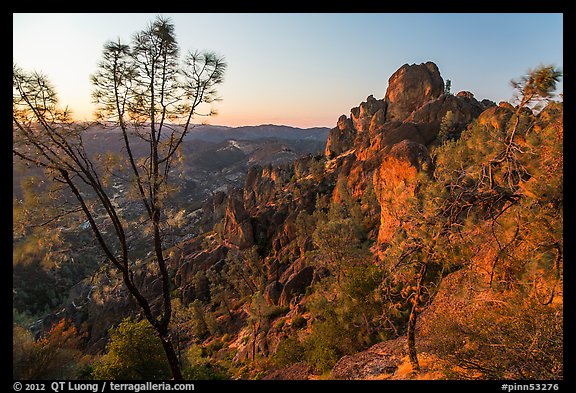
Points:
(385, 143)
(363, 115)
(296, 284)
(411, 87)
(237, 224)
(340, 138)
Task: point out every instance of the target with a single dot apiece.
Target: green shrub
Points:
(327, 343)
(133, 352)
(197, 364)
(276, 312)
(299, 322)
(321, 352)
(214, 347)
(204, 372)
(289, 351)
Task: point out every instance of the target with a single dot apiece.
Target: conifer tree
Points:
(152, 97)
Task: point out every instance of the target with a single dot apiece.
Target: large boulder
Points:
(272, 292)
(379, 361)
(414, 153)
(296, 284)
(405, 131)
(411, 87)
(497, 117)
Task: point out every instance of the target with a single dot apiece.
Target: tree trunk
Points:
(255, 329)
(172, 358)
(412, 338)
(414, 317)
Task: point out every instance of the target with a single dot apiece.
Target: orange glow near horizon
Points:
(231, 119)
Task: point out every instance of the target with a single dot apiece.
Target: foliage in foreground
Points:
(56, 355)
(133, 352)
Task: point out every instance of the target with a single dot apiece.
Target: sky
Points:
(303, 70)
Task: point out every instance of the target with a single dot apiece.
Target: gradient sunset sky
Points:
(300, 69)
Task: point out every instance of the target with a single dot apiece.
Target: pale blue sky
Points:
(302, 69)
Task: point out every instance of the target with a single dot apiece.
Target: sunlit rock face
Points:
(395, 183)
(237, 225)
(463, 107)
(362, 115)
(340, 138)
(411, 87)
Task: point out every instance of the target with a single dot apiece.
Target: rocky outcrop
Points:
(363, 116)
(392, 136)
(277, 174)
(382, 359)
(404, 131)
(273, 291)
(298, 371)
(219, 205)
(381, 147)
(256, 189)
(262, 183)
(212, 211)
(497, 117)
(196, 261)
(413, 110)
(250, 344)
(394, 185)
(340, 138)
(411, 87)
(465, 94)
(428, 118)
(414, 153)
(237, 224)
(487, 103)
(296, 284)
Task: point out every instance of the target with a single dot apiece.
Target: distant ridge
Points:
(216, 133)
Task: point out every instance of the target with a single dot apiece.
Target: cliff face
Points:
(237, 225)
(340, 138)
(395, 182)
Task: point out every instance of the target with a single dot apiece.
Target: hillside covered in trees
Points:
(425, 243)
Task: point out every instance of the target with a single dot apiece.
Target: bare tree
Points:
(145, 91)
